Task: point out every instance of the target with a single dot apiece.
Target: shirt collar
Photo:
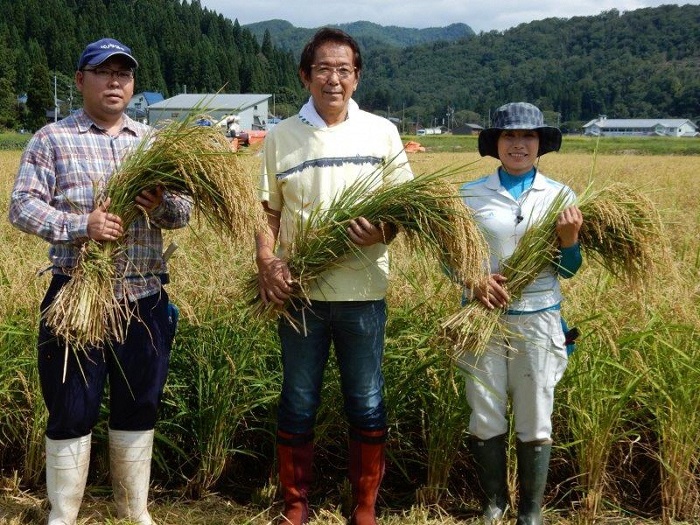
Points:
(84, 122)
(310, 116)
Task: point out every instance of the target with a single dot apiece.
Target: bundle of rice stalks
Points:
(427, 209)
(195, 162)
(621, 231)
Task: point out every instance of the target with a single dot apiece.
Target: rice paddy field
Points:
(626, 421)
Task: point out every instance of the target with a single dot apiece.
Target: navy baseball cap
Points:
(97, 52)
(519, 115)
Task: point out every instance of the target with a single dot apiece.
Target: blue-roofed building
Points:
(139, 104)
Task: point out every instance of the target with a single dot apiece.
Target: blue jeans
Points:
(356, 329)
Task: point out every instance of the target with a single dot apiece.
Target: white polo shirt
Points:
(503, 221)
(306, 166)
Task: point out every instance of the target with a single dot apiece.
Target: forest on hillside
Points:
(638, 64)
(368, 34)
(180, 46)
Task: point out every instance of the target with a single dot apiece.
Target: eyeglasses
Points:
(104, 73)
(323, 71)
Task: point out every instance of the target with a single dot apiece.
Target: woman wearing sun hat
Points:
(528, 362)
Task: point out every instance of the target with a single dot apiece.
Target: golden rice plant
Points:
(426, 209)
(192, 161)
(195, 162)
(622, 231)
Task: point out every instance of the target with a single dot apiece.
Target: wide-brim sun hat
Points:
(519, 115)
(95, 53)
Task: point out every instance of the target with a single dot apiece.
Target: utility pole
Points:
(55, 100)
(403, 116)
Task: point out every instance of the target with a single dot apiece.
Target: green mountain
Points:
(643, 63)
(368, 34)
(637, 64)
(181, 47)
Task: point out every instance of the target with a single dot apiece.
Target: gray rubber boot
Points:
(67, 463)
(491, 467)
(130, 467)
(533, 466)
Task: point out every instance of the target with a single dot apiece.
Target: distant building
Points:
(139, 104)
(467, 129)
(53, 114)
(429, 131)
(662, 127)
(252, 109)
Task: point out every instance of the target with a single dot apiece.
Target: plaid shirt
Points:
(63, 168)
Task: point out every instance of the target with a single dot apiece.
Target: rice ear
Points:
(195, 162)
(426, 209)
(622, 231)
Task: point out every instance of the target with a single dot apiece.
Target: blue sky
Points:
(480, 15)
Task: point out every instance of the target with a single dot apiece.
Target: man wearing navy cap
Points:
(64, 167)
(105, 77)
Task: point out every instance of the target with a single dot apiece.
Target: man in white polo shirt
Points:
(308, 160)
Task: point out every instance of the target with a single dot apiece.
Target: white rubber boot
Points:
(130, 467)
(67, 464)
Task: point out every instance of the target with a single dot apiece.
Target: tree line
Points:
(180, 46)
(368, 34)
(638, 64)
